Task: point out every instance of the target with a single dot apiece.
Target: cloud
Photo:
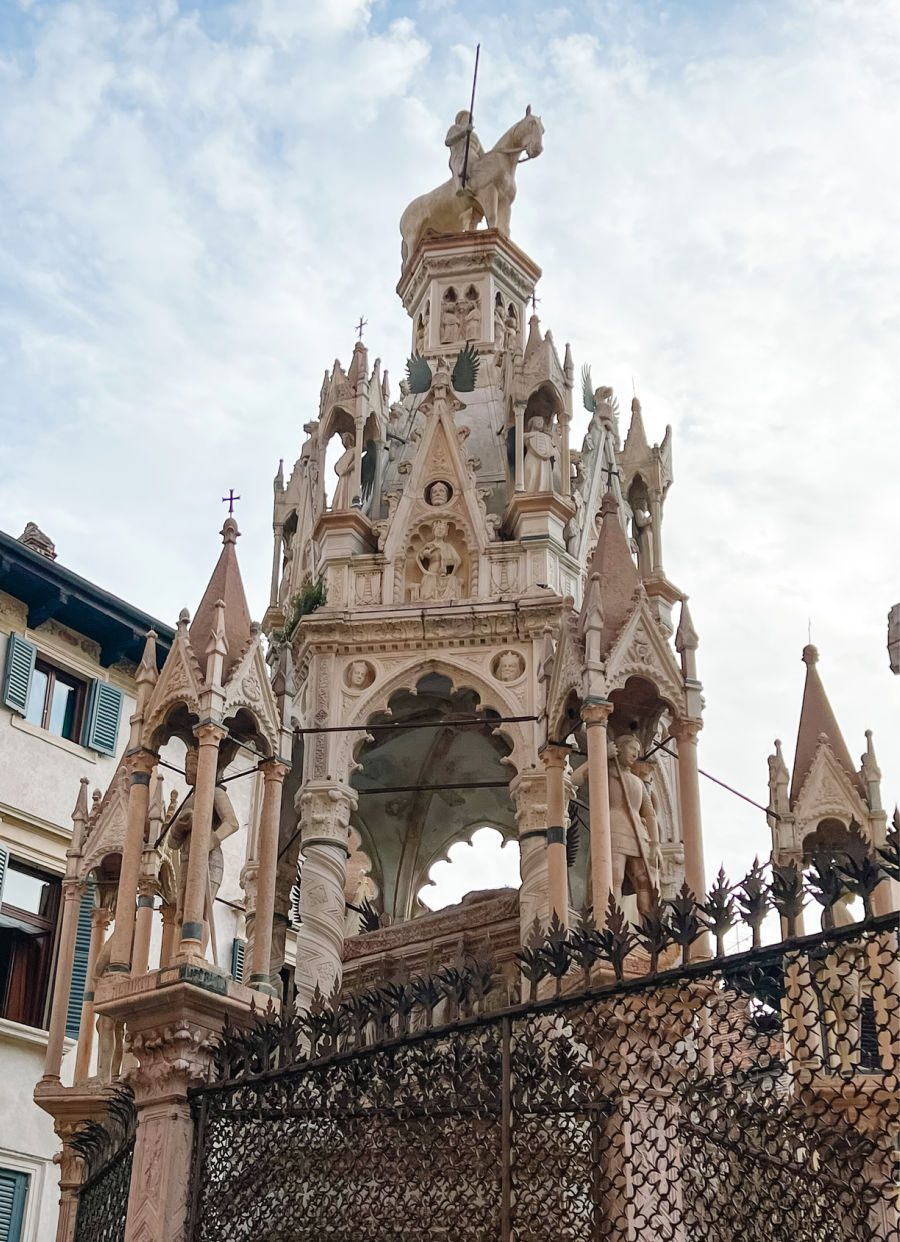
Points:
(197, 203)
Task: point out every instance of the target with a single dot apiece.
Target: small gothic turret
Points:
(829, 799)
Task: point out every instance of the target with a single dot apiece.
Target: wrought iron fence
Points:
(748, 1098)
(107, 1152)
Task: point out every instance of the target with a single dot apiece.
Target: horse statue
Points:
(488, 195)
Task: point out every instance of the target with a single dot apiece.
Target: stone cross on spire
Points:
(229, 500)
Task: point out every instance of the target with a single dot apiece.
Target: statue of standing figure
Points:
(540, 452)
(344, 469)
(633, 825)
(225, 824)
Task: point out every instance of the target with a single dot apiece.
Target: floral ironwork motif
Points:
(748, 1096)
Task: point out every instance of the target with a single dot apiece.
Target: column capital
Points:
(210, 733)
(686, 729)
(273, 769)
(596, 712)
(554, 754)
(141, 762)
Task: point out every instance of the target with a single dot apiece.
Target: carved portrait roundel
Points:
(508, 666)
(438, 493)
(359, 675)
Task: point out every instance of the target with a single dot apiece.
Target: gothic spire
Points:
(225, 585)
(617, 574)
(816, 719)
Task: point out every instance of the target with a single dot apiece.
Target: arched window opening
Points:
(483, 863)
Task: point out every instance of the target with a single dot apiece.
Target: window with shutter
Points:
(102, 727)
(20, 656)
(13, 1192)
(238, 950)
(80, 964)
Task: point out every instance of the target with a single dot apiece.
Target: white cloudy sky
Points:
(197, 201)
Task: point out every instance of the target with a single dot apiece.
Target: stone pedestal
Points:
(70, 1108)
(172, 1018)
(530, 516)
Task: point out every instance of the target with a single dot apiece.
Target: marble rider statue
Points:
(490, 183)
(456, 141)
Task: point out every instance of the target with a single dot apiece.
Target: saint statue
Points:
(439, 562)
(456, 141)
(344, 468)
(540, 451)
(633, 826)
(499, 325)
(642, 534)
(225, 824)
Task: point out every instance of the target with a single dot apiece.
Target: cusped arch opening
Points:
(435, 765)
(484, 860)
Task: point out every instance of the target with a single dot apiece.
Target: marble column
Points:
(529, 794)
(686, 731)
(595, 717)
(554, 757)
(267, 854)
(143, 925)
(101, 917)
(140, 766)
(209, 736)
(73, 891)
(325, 810)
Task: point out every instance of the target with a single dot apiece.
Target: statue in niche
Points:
(472, 314)
(438, 494)
(575, 524)
(540, 453)
(511, 338)
(499, 322)
(225, 824)
(633, 824)
(449, 317)
(344, 469)
(360, 675)
(508, 666)
(421, 343)
(439, 564)
(642, 534)
(456, 141)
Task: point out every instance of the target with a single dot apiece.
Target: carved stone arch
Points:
(464, 835)
(377, 702)
(336, 419)
(545, 400)
(641, 651)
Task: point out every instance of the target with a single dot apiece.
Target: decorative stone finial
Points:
(608, 504)
(229, 531)
(279, 476)
(35, 539)
(184, 619)
(810, 654)
(635, 405)
(686, 638)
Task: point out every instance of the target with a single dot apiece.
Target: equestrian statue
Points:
(482, 185)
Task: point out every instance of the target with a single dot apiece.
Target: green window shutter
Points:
(20, 655)
(238, 949)
(80, 964)
(102, 724)
(13, 1192)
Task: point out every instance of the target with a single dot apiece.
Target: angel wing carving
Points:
(587, 389)
(418, 374)
(465, 370)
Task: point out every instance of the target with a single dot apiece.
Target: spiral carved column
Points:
(325, 810)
